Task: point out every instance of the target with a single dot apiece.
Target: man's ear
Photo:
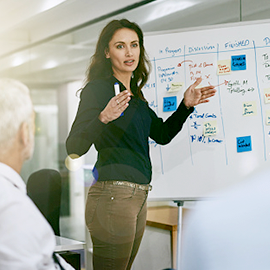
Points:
(107, 54)
(24, 134)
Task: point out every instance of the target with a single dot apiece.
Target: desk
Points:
(166, 218)
(65, 248)
(65, 244)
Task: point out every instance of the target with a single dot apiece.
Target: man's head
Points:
(16, 123)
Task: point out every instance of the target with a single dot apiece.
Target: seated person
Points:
(27, 241)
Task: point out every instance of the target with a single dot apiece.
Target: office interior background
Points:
(47, 44)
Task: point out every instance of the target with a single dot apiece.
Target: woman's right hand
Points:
(115, 107)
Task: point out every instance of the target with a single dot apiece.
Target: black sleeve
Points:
(163, 132)
(87, 127)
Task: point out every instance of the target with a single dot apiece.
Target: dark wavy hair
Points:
(100, 66)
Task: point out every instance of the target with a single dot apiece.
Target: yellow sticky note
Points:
(267, 95)
(210, 128)
(267, 117)
(176, 86)
(249, 108)
(224, 67)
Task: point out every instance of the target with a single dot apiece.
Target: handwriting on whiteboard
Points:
(239, 87)
(170, 51)
(237, 44)
(204, 139)
(231, 58)
(166, 74)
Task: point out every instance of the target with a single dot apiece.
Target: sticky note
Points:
(169, 104)
(267, 95)
(243, 144)
(267, 117)
(175, 87)
(210, 128)
(249, 108)
(224, 67)
(238, 62)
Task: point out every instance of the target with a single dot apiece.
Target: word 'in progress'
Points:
(172, 52)
(243, 144)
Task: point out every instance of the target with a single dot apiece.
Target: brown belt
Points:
(132, 185)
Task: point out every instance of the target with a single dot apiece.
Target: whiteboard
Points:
(236, 59)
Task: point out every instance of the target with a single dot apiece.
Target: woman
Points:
(119, 127)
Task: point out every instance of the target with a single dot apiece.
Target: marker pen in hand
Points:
(117, 91)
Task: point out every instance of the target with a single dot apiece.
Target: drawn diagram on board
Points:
(237, 63)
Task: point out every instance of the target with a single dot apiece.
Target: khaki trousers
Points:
(116, 219)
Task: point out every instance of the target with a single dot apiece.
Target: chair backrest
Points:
(44, 188)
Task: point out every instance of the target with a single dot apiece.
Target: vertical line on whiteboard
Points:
(221, 114)
(190, 150)
(260, 98)
(160, 152)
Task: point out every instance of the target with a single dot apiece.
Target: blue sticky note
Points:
(169, 104)
(243, 144)
(238, 62)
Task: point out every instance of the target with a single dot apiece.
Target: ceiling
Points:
(47, 43)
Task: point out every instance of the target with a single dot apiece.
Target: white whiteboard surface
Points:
(193, 165)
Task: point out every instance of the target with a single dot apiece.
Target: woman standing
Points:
(119, 127)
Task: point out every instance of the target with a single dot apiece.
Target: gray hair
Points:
(15, 108)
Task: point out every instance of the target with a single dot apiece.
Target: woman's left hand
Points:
(194, 96)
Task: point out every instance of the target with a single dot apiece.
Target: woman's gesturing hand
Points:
(115, 107)
(194, 96)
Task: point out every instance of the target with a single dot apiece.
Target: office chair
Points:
(44, 188)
